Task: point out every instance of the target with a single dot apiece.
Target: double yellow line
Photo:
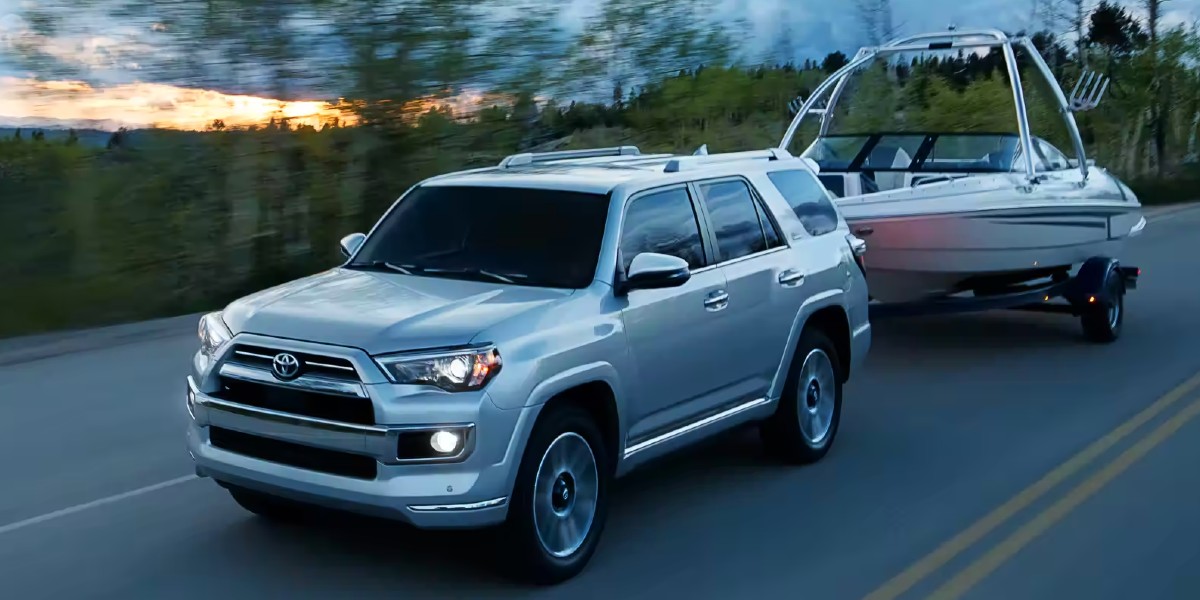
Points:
(967, 578)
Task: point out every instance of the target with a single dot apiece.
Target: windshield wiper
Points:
(376, 264)
(502, 278)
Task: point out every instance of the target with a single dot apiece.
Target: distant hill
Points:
(87, 137)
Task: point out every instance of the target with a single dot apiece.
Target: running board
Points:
(693, 427)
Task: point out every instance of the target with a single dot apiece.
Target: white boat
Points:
(992, 215)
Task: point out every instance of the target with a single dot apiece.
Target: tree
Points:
(1071, 17)
(628, 41)
(783, 51)
(1160, 107)
(1112, 28)
(875, 18)
(834, 61)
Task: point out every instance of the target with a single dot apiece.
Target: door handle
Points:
(716, 301)
(791, 278)
(864, 231)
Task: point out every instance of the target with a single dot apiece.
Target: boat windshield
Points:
(917, 152)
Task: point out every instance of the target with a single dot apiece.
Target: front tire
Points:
(559, 503)
(806, 421)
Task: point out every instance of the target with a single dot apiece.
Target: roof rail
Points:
(683, 163)
(527, 158)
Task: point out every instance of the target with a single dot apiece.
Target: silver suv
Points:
(508, 340)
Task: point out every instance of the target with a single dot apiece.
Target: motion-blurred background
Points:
(163, 156)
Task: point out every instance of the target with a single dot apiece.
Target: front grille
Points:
(331, 407)
(294, 455)
(329, 367)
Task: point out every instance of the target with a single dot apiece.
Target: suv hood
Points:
(382, 312)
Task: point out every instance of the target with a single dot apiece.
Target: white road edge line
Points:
(11, 527)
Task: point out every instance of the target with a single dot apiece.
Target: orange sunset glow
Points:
(153, 105)
(146, 105)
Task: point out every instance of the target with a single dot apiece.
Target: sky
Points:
(110, 88)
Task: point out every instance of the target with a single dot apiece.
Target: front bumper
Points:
(469, 489)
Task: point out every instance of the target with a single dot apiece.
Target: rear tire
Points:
(1102, 323)
(559, 503)
(806, 421)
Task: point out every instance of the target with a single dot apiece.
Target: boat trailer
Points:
(1095, 294)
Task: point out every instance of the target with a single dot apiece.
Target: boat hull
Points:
(918, 256)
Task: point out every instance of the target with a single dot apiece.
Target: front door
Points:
(671, 332)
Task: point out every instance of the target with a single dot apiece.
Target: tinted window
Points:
(734, 219)
(808, 200)
(662, 222)
(774, 239)
(836, 184)
(533, 237)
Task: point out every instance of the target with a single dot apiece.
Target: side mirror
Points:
(651, 271)
(351, 243)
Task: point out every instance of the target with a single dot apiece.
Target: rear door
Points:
(764, 280)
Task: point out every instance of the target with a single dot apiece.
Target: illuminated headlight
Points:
(453, 371)
(213, 334)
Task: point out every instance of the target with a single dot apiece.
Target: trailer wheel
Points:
(1103, 319)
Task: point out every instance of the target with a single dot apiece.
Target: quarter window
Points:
(665, 223)
(808, 199)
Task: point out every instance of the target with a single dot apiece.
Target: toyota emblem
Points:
(286, 366)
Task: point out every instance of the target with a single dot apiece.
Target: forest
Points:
(157, 222)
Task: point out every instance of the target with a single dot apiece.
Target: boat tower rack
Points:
(1087, 93)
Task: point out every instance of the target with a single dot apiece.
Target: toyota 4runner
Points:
(508, 340)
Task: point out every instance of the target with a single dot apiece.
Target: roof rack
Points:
(683, 163)
(527, 158)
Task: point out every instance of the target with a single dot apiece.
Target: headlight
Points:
(453, 371)
(213, 334)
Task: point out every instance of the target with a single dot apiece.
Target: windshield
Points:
(545, 238)
(923, 152)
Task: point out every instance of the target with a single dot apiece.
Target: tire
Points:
(270, 507)
(546, 495)
(1102, 323)
(806, 421)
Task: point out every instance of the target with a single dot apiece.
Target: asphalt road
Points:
(958, 473)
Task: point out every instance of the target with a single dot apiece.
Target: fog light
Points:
(444, 442)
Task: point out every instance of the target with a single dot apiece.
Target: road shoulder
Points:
(14, 351)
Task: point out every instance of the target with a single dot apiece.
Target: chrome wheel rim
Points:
(1114, 312)
(565, 492)
(816, 396)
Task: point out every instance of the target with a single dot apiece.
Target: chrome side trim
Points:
(309, 383)
(694, 426)
(458, 507)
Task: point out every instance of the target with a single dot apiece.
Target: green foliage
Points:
(164, 222)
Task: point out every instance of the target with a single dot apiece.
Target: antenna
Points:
(1088, 91)
(701, 151)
